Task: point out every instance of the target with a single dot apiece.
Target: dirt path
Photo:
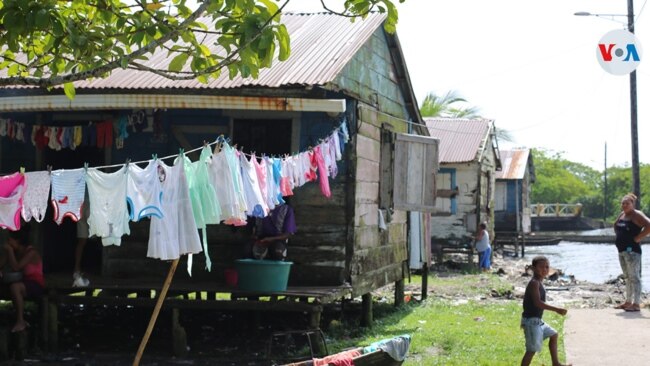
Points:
(607, 337)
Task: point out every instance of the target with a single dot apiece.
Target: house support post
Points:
(425, 281)
(179, 337)
(399, 293)
(366, 310)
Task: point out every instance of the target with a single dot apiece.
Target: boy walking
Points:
(534, 328)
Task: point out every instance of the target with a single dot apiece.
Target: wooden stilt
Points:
(156, 311)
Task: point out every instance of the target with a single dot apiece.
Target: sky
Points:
(531, 67)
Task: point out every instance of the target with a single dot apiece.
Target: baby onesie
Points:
(68, 190)
(36, 195)
(109, 218)
(12, 188)
(144, 191)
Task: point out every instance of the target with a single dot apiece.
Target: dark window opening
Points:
(269, 136)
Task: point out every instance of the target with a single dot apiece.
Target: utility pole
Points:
(605, 187)
(636, 186)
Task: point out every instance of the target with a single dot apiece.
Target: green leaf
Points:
(205, 51)
(42, 19)
(178, 62)
(68, 89)
(283, 41)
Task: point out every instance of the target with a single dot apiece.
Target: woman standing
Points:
(483, 248)
(630, 227)
(22, 257)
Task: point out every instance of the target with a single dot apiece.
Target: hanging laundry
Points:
(205, 204)
(255, 204)
(104, 134)
(286, 177)
(276, 169)
(333, 145)
(144, 191)
(53, 140)
(109, 217)
(36, 194)
(228, 185)
(175, 234)
(12, 188)
(68, 190)
(317, 157)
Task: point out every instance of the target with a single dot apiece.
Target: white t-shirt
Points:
(484, 243)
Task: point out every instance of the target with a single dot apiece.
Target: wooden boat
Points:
(532, 241)
(542, 241)
(376, 357)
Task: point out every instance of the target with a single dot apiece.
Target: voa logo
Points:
(619, 52)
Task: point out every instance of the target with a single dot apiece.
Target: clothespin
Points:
(154, 156)
(22, 170)
(128, 161)
(49, 169)
(86, 167)
(181, 151)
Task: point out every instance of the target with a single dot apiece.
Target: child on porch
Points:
(535, 330)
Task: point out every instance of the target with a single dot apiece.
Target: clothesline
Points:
(343, 121)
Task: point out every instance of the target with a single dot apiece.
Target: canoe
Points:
(532, 241)
(388, 352)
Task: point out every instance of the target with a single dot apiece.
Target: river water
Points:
(589, 262)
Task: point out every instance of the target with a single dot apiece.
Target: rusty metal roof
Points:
(321, 45)
(513, 164)
(461, 140)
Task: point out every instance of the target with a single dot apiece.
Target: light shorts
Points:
(536, 331)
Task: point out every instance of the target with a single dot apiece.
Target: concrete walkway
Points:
(607, 337)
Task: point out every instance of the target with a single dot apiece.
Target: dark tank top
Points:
(626, 230)
(530, 310)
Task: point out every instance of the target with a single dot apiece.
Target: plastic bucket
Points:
(262, 275)
(231, 277)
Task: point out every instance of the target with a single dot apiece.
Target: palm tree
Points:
(435, 106)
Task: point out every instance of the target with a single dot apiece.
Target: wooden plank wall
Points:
(378, 255)
(318, 249)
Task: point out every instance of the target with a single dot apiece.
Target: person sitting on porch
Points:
(21, 257)
(271, 234)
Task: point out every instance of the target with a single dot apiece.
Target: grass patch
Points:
(460, 324)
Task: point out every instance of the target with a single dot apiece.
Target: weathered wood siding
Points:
(378, 255)
(475, 200)
(370, 77)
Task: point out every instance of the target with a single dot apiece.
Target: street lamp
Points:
(636, 186)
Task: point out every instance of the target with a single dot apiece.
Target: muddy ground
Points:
(102, 335)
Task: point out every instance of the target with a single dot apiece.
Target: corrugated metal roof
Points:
(321, 45)
(461, 140)
(513, 164)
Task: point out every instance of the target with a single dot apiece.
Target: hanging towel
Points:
(36, 195)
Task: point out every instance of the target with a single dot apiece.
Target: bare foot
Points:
(19, 326)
